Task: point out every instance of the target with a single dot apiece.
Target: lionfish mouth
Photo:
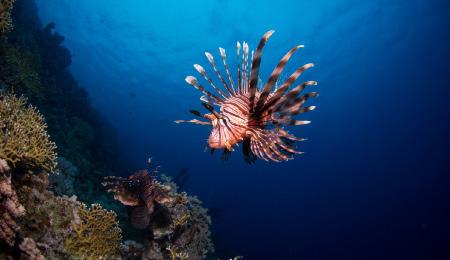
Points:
(252, 115)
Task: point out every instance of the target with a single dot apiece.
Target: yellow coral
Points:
(96, 236)
(180, 221)
(5, 15)
(175, 254)
(23, 136)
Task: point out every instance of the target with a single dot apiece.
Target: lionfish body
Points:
(251, 115)
(140, 193)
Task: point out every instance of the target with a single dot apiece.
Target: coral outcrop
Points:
(34, 64)
(29, 250)
(5, 16)
(48, 218)
(177, 226)
(96, 236)
(20, 71)
(24, 141)
(40, 216)
(63, 182)
(10, 208)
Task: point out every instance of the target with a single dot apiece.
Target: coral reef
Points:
(96, 236)
(63, 181)
(40, 216)
(177, 226)
(29, 250)
(10, 208)
(33, 63)
(20, 71)
(5, 15)
(23, 137)
(49, 218)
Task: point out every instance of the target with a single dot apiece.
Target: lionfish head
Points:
(128, 190)
(250, 114)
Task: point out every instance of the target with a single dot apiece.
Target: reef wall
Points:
(54, 152)
(34, 63)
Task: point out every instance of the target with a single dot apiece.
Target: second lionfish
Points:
(251, 114)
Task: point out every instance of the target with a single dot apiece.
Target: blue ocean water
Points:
(374, 180)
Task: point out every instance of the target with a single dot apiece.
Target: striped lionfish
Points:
(140, 193)
(251, 114)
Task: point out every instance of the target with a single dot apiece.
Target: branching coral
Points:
(96, 236)
(23, 137)
(5, 15)
(175, 254)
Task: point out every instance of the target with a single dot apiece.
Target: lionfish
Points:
(250, 114)
(140, 193)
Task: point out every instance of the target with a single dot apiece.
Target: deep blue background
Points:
(374, 182)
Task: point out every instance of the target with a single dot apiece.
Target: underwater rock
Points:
(131, 250)
(175, 224)
(63, 181)
(29, 251)
(10, 208)
(49, 218)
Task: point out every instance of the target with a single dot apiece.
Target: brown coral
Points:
(23, 137)
(5, 15)
(96, 236)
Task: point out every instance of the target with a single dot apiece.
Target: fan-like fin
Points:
(208, 100)
(195, 112)
(245, 67)
(278, 94)
(238, 50)
(193, 121)
(256, 61)
(299, 122)
(224, 59)
(297, 90)
(193, 82)
(294, 107)
(202, 71)
(274, 76)
(211, 109)
(256, 149)
(211, 61)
